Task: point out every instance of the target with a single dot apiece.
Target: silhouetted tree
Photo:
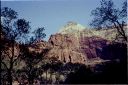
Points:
(13, 30)
(56, 66)
(112, 72)
(51, 65)
(80, 76)
(38, 33)
(33, 58)
(108, 16)
(1, 48)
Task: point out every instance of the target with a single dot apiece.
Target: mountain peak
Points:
(70, 23)
(71, 27)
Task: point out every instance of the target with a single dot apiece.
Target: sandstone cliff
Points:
(77, 44)
(66, 48)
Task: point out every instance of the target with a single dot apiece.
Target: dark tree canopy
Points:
(39, 33)
(13, 28)
(15, 31)
(22, 25)
(107, 15)
(8, 13)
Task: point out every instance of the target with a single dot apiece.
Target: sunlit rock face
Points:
(69, 48)
(74, 43)
(66, 48)
(66, 44)
(72, 28)
(77, 44)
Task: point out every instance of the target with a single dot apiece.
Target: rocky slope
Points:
(66, 48)
(77, 44)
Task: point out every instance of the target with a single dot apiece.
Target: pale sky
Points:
(53, 14)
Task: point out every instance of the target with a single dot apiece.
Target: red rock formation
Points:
(66, 48)
(39, 46)
(74, 44)
(92, 46)
(69, 48)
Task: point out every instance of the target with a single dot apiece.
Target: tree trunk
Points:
(30, 77)
(46, 78)
(0, 51)
(120, 30)
(9, 77)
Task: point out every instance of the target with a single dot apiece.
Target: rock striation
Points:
(66, 48)
(77, 44)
